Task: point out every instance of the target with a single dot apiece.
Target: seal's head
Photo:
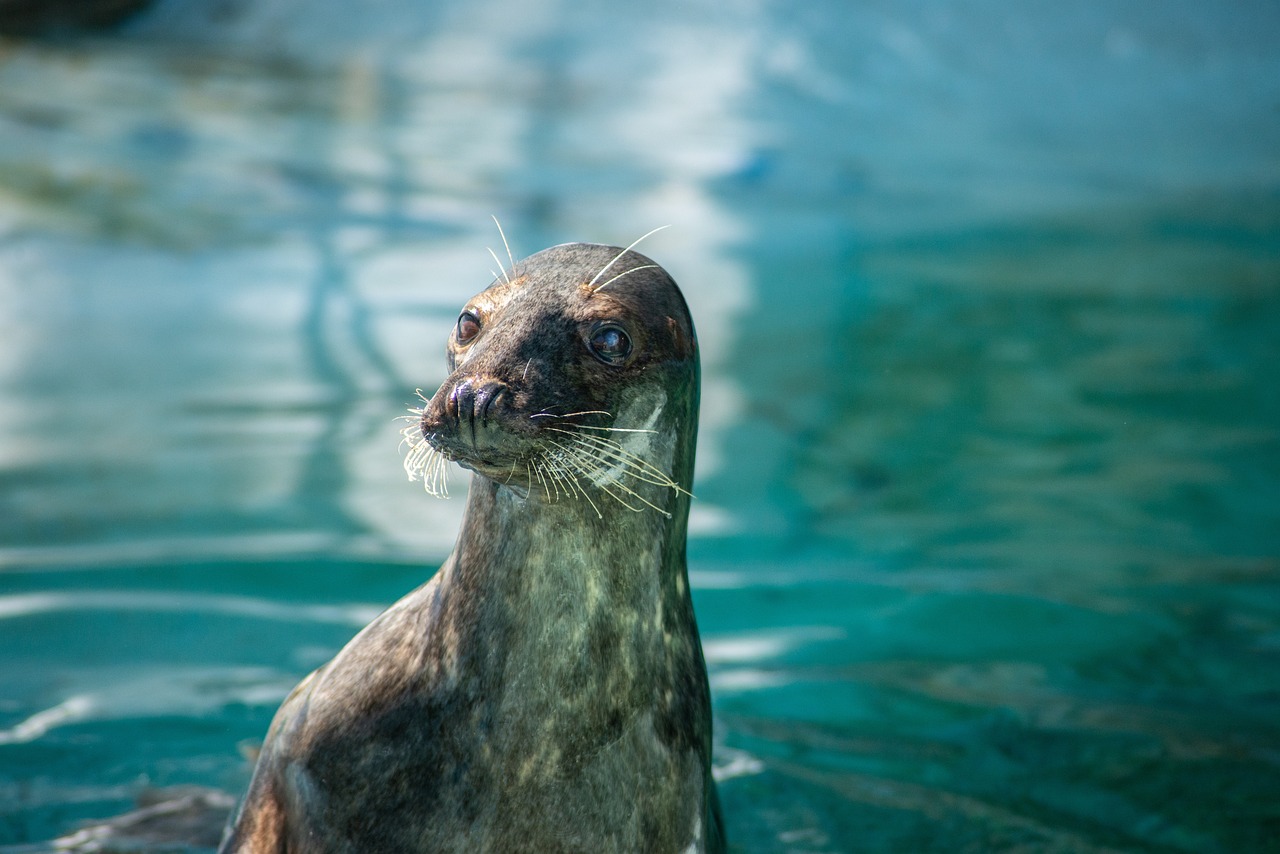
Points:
(575, 373)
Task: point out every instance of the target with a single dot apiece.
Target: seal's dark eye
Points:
(468, 327)
(610, 344)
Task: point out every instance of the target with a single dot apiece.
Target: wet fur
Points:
(546, 690)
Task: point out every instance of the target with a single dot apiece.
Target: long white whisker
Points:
(615, 452)
(535, 470)
(615, 429)
(638, 497)
(633, 465)
(570, 414)
(505, 245)
(625, 273)
(591, 284)
(505, 277)
(559, 479)
(589, 465)
(424, 461)
(565, 465)
(577, 481)
(552, 477)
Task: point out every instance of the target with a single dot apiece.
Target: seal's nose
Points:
(472, 401)
(470, 406)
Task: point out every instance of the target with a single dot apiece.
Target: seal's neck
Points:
(536, 550)
(577, 599)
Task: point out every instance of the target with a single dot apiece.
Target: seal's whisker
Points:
(587, 461)
(529, 472)
(634, 465)
(590, 466)
(626, 470)
(605, 268)
(615, 451)
(630, 464)
(625, 273)
(638, 497)
(505, 277)
(616, 429)
(564, 464)
(436, 480)
(609, 492)
(569, 466)
(536, 472)
(545, 414)
(438, 485)
(423, 460)
(550, 475)
(559, 479)
(545, 475)
(505, 244)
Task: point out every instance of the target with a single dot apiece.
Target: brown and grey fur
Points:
(546, 690)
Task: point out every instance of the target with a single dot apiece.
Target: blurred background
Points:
(986, 551)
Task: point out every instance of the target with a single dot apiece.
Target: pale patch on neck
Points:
(696, 845)
(635, 429)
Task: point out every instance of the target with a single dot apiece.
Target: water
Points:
(985, 551)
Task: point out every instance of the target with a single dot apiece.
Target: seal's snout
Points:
(469, 420)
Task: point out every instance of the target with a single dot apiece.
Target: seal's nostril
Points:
(470, 404)
(462, 401)
(486, 396)
(451, 408)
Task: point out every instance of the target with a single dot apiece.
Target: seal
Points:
(546, 690)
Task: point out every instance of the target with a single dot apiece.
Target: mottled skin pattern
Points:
(546, 690)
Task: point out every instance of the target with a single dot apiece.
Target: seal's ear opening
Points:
(685, 346)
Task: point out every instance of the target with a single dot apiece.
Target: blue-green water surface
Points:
(986, 545)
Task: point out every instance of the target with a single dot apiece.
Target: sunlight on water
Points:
(985, 549)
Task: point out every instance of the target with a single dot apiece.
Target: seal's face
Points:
(562, 372)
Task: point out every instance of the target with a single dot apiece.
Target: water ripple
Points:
(29, 604)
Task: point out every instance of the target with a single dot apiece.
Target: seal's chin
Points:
(492, 455)
(503, 473)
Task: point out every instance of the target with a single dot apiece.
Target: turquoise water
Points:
(986, 551)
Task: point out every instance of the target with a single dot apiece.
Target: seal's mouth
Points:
(484, 448)
(424, 460)
(557, 457)
(477, 423)
(492, 462)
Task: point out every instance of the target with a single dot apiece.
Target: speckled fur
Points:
(546, 690)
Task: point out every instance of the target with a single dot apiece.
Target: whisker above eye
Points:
(505, 244)
(505, 277)
(605, 268)
(625, 273)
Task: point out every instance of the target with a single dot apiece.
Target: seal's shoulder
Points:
(369, 677)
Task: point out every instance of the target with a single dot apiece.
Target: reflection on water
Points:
(985, 546)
